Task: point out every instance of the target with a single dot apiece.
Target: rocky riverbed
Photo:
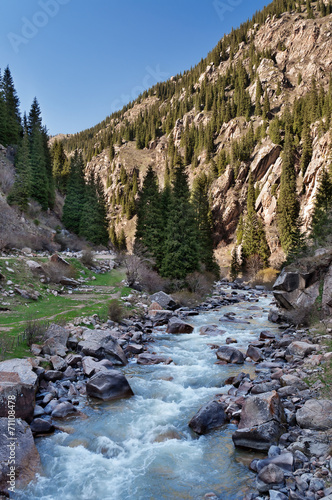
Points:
(272, 406)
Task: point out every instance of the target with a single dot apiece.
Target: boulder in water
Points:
(210, 416)
(108, 386)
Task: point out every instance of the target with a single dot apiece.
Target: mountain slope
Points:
(218, 118)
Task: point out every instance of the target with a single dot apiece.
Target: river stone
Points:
(164, 300)
(211, 330)
(64, 409)
(210, 416)
(293, 381)
(270, 476)
(162, 317)
(41, 426)
(230, 355)
(92, 365)
(300, 349)
(265, 387)
(53, 375)
(108, 386)
(18, 379)
(315, 414)
(254, 353)
(152, 359)
(284, 460)
(58, 333)
(260, 423)
(176, 325)
(27, 460)
(277, 495)
(58, 363)
(101, 344)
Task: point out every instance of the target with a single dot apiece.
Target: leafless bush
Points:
(187, 299)
(150, 280)
(55, 271)
(35, 330)
(253, 265)
(87, 258)
(200, 283)
(34, 209)
(116, 310)
(7, 178)
(69, 242)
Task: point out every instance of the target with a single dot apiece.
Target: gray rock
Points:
(265, 387)
(176, 325)
(108, 386)
(18, 380)
(261, 422)
(39, 410)
(101, 344)
(73, 359)
(63, 410)
(316, 484)
(287, 281)
(254, 353)
(41, 426)
(58, 363)
(212, 330)
(58, 333)
(53, 375)
(152, 359)
(161, 317)
(210, 416)
(277, 495)
(27, 460)
(230, 354)
(92, 366)
(315, 414)
(300, 349)
(270, 475)
(164, 300)
(293, 381)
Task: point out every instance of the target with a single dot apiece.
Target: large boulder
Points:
(20, 448)
(300, 349)
(210, 416)
(92, 365)
(230, 355)
(101, 344)
(18, 385)
(56, 338)
(261, 422)
(176, 325)
(315, 414)
(287, 281)
(108, 386)
(271, 476)
(164, 300)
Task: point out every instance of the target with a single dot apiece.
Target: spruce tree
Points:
(259, 93)
(75, 198)
(122, 241)
(321, 221)
(93, 222)
(12, 116)
(150, 222)
(288, 207)
(181, 249)
(21, 189)
(39, 179)
(204, 223)
(307, 147)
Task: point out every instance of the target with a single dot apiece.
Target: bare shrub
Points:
(34, 209)
(200, 283)
(185, 298)
(55, 271)
(35, 330)
(253, 265)
(7, 178)
(87, 258)
(116, 310)
(69, 241)
(266, 277)
(150, 280)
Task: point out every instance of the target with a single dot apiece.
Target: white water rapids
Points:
(142, 448)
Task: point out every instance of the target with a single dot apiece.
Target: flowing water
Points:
(142, 448)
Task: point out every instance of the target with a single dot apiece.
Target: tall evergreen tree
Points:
(181, 249)
(21, 190)
(259, 93)
(39, 179)
(13, 126)
(93, 223)
(307, 147)
(59, 164)
(204, 223)
(150, 221)
(321, 218)
(288, 207)
(75, 198)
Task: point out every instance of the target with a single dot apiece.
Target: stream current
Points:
(141, 448)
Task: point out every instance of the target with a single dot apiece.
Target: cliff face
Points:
(301, 50)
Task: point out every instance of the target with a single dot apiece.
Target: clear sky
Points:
(84, 59)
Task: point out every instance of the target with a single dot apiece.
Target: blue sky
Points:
(83, 59)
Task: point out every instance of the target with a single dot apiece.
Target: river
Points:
(142, 448)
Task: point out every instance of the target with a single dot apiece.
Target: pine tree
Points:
(75, 198)
(13, 126)
(321, 222)
(309, 10)
(266, 105)
(150, 222)
(93, 222)
(113, 237)
(39, 179)
(122, 241)
(259, 93)
(288, 206)
(204, 223)
(21, 190)
(307, 147)
(2, 114)
(59, 165)
(274, 131)
(181, 250)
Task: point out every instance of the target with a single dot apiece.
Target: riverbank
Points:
(79, 360)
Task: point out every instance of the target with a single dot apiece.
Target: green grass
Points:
(62, 308)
